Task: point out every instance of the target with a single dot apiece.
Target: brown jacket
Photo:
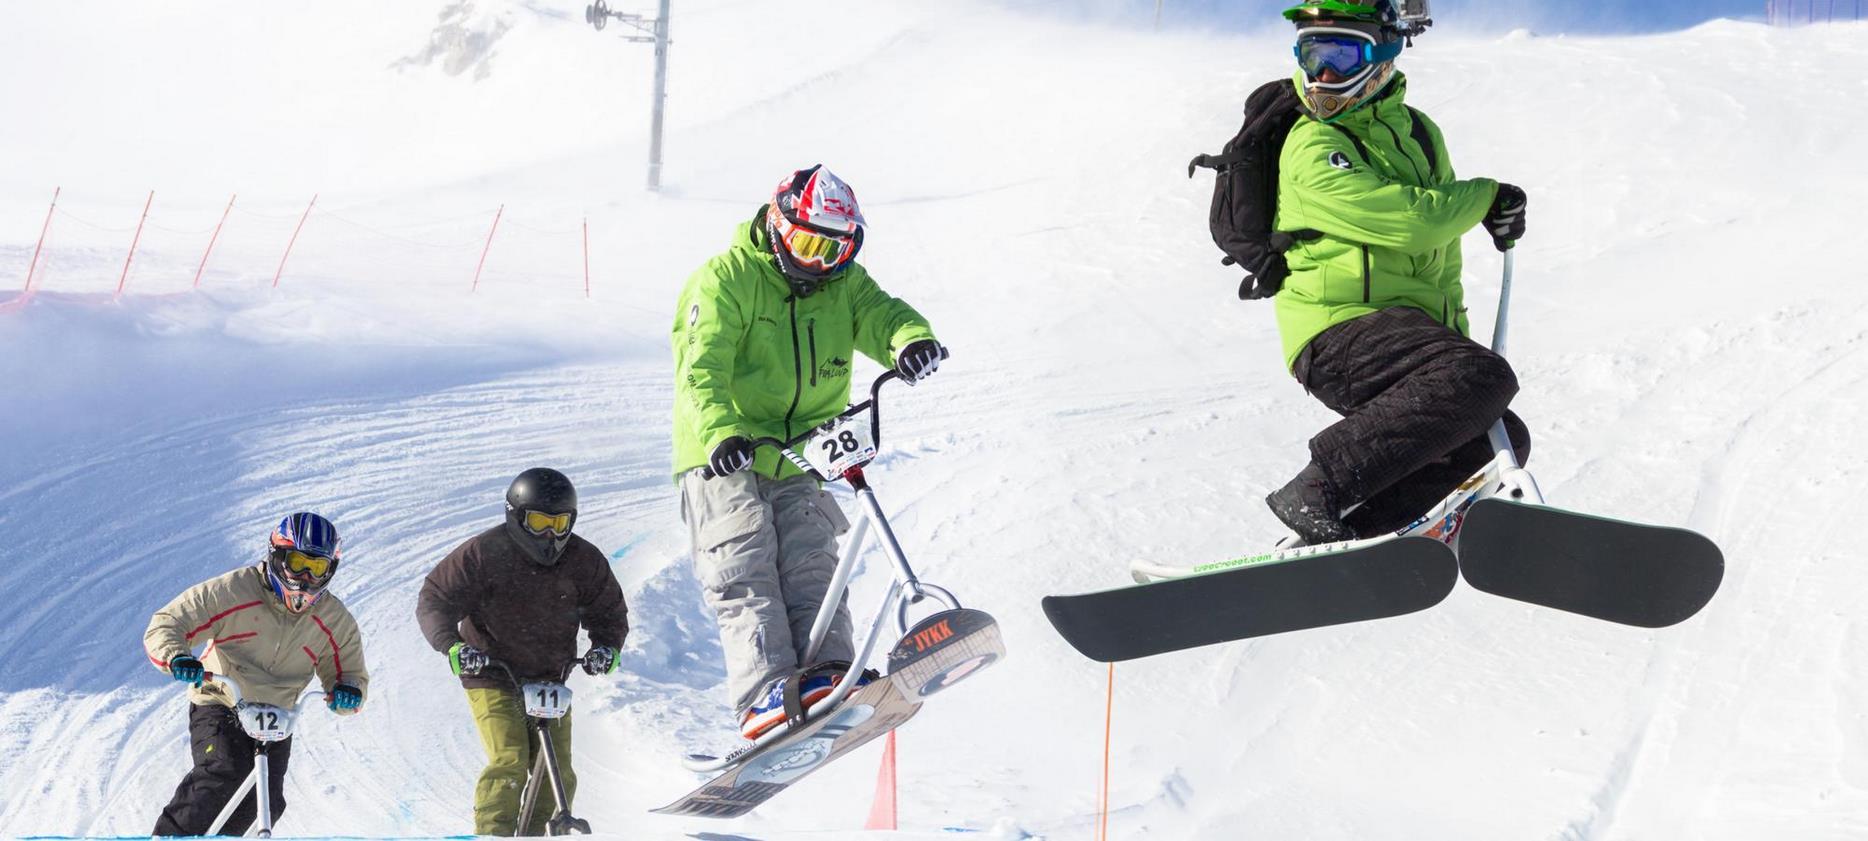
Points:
(488, 594)
(270, 652)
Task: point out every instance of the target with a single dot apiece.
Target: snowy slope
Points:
(1689, 328)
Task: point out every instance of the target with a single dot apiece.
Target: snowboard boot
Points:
(813, 686)
(1307, 504)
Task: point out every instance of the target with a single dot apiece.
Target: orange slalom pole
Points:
(1109, 709)
(133, 241)
(293, 241)
(211, 240)
(42, 232)
(487, 248)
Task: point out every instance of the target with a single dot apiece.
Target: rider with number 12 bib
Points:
(270, 628)
(763, 339)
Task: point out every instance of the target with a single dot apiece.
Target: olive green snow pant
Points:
(764, 551)
(506, 733)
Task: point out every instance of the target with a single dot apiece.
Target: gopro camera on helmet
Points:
(1411, 11)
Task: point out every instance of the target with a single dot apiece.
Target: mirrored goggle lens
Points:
(299, 563)
(817, 251)
(1346, 56)
(539, 522)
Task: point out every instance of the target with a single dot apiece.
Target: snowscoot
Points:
(267, 725)
(1495, 530)
(940, 650)
(545, 701)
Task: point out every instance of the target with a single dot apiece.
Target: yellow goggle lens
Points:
(313, 565)
(540, 522)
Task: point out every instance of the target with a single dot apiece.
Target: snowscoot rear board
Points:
(1634, 574)
(938, 652)
(1372, 581)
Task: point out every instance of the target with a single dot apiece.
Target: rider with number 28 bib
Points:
(763, 339)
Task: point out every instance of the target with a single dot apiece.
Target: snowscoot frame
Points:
(265, 724)
(1503, 476)
(554, 702)
(905, 589)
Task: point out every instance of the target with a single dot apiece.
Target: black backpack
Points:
(1245, 195)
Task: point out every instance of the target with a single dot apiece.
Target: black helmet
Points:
(541, 508)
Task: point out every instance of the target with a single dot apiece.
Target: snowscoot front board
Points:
(1371, 581)
(936, 653)
(1634, 574)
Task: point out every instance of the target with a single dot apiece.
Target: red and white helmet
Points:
(815, 225)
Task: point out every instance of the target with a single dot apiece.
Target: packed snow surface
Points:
(1689, 328)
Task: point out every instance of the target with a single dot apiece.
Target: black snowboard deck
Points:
(1374, 581)
(1630, 573)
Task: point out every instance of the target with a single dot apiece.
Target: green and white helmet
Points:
(1346, 49)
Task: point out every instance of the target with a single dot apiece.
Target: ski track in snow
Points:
(1682, 363)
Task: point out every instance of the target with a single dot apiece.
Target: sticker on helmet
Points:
(1339, 160)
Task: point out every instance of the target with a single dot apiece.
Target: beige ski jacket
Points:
(270, 652)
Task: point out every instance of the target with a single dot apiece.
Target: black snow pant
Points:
(1417, 399)
(223, 755)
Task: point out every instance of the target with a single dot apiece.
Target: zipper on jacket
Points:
(810, 328)
(1367, 272)
(797, 365)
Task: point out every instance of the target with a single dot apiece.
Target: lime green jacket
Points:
(1390, 226)
(753, 360)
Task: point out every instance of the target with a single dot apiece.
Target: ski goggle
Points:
(539, 522)
(1346, 52)
(299, 563)
(817, 251)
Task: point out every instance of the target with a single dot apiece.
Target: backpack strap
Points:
(1361, 150)
(1418, 127)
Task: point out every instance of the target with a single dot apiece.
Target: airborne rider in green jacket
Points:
(763, 339)
(1372, 315)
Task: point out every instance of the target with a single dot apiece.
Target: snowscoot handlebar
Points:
(564, 672)
(233, 689)
(875, 425)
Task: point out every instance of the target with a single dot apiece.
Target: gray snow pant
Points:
(764, 551)
(1417, 399)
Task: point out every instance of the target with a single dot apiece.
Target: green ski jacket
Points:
(1391, 221)
(752, 359)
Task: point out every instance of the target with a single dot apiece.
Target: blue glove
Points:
(600, 660)
(186, 669)
(346, 697)
(464, 659)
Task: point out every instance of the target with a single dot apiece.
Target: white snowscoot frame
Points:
(266, 724)
(545, 701)
(842, 447)
(1502, 476)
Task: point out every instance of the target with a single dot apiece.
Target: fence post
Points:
(35, 249)
(293, 241)
(125, 278)
(211, 240)
(488, 247)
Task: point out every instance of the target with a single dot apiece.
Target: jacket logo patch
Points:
(836, 367)
(1339, 160)
(693, 315)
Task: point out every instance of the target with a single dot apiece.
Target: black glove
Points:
(345, 697)
(464, 659)
(1505, 221)
(730, 456)
(186, 669)
(600, 660)
(918, 360)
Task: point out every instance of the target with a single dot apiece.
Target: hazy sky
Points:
(1548, 17)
